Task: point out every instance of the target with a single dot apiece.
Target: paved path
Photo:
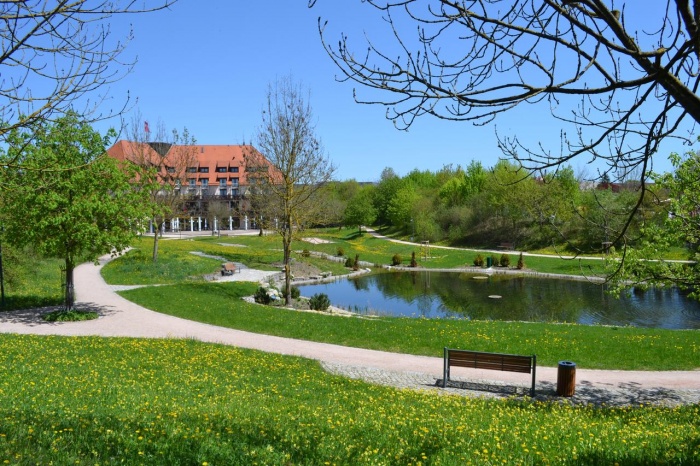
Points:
(119, 317)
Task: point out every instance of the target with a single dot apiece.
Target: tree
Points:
(163, 162)
(69, 200)
(389, 184)
(293, 169)
(623, 82)
(54, 54)
(679, 195)
(360, 209)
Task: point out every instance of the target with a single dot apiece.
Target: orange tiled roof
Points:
(208, 156)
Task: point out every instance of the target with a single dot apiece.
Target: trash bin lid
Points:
(567, 363)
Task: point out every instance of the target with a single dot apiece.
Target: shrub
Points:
(319, 302)
(414, 263)
(521, 262)
(69, 316)
(356, 264)
(295, 292)
(349, 263)
(340, 252)
(505, 260)
(479, 261)
(305, 253)
(261, 296)
(396, 260)
(494, 260)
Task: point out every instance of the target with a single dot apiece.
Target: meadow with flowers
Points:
(102, 401)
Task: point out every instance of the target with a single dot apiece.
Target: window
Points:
(221, 169)
(233, 169)
(222, 192)
(205, 182)
(191, 169)
(234, 191)
(222, 182)
(203, 169)
(170, 169)
(234, 181)
(193, 182)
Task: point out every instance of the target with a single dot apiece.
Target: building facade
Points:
(208, 181)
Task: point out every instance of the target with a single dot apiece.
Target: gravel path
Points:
(122, 318)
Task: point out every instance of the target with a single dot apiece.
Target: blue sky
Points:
(206, 65)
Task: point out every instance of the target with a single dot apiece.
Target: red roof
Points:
(208, 156)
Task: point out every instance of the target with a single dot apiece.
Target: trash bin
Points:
(566, 378)
(488, 261)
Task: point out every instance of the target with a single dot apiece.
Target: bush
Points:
(356, 264)
(494, 260)
(340, 252)
(349, 263)
(521, 262)
(479, 261)
(261, 296)
(505, 260)
(305, 253)
(396, 260)
(295, 292)
(70, 316)
(414, 263)
(319, 302)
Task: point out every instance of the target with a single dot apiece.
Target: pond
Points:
(507, 297)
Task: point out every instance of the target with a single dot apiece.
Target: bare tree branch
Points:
(473, 60)
(58, 54)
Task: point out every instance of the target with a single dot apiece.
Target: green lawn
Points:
(89, 401)
(589, 346)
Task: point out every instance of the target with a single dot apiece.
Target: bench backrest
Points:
(229, 266)
(493, 361)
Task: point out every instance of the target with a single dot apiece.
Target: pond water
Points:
(507, 297)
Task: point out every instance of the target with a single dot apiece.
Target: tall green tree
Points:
(678, 194)
(360, 209)
(69, 199)
(290, 169)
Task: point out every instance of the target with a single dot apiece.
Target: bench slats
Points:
(491, 361)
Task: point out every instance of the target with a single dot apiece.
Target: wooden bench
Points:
(228, 268)
(507, 246)
(492, 361)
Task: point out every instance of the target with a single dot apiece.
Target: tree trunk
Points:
(155, 242)
(287, 246)
(69, 292)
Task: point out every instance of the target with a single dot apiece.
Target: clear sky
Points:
(206, 65)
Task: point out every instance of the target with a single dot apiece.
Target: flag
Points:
(145, 127)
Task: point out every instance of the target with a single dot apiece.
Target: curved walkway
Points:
(122, 318)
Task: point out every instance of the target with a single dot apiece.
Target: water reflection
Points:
(461, 295)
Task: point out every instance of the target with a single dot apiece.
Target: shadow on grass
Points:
(34, 317)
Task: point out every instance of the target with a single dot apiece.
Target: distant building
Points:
(212, 185)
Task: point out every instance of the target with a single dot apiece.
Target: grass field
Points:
(91, 401)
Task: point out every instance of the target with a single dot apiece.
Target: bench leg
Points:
(445, 368)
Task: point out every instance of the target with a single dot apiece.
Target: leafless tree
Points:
(57, 54)
(621, 86)
(290, 167)
(217, 214)
(164, 161)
